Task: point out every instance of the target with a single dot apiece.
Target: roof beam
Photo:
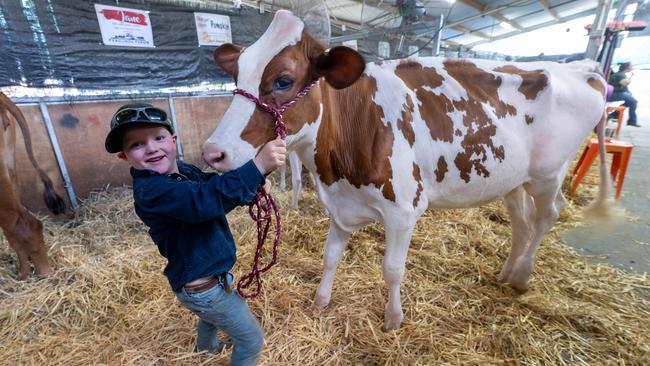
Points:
(534, 27)
(470, 32)
(452, 43)
(496, 15)
(377, 5)
(547, 7)
(416, 28)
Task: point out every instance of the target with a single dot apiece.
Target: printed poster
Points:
(124, 27)
(212, 29)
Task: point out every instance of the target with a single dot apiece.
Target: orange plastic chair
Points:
(620, 149)
(621, 110)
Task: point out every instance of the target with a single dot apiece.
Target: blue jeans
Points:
(229, 312)
(630, 103)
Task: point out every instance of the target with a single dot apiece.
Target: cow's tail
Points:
(53, 201)
(602, 206)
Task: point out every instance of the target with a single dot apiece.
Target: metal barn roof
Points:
(467, 22)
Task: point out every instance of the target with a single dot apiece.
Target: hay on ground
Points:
(108, 302)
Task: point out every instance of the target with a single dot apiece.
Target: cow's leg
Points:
(23, 257)
(337, 240)
(296, 179)
(398, 239)
(26, 238)
(283, 177)
(546, 214)
(518, 203)
(8, 224)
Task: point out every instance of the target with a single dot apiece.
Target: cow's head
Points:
(274, 69)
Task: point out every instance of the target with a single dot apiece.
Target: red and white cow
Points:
(24, 232)
(402, 136)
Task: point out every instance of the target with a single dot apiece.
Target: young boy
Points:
(185, 210)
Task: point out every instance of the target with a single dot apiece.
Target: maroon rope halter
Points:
(263, 205)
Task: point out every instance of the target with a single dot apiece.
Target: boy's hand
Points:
(267, 186)
(271, 156)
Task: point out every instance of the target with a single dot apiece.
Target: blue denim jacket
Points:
(186, 216)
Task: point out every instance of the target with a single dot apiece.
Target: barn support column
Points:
(172, 112)
(59, 157)
(598, 29)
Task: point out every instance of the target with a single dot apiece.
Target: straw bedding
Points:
(108, 302)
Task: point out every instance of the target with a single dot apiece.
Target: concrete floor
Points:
(626, 244)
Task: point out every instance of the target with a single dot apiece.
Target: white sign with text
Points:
(124, 27)
(212, 29)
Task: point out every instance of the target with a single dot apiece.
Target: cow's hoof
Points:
(519, 275)
(22, 276)
(43, 274)
(503, 276)
(389, 327)
(321, 301)
(392, 322)
(519, 288)
(517, 283)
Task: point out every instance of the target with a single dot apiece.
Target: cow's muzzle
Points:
(215, 157)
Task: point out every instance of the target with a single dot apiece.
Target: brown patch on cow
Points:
(304, 111)
(388, 192)
(433, 108)
(481, 88)
(529, 119)
(441, 169)
(533, 82)
(352, 142)
(260, 128)
(418, 178)
(294, 63)
(405, 124)
(596, 84)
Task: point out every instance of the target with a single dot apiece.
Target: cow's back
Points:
(478, 129)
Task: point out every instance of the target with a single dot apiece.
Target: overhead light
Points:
(505, 25)
(451, 1)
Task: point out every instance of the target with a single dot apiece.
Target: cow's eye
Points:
(282, 83)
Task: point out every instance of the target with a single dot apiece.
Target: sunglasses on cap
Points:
(141, 114)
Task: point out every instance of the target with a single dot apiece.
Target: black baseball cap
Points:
(131, 115)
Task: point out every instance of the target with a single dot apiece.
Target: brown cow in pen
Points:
(23, 231)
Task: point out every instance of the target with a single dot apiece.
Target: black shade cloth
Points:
(46, 43)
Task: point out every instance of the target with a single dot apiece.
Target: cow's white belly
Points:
(351, 207)
(455, 193)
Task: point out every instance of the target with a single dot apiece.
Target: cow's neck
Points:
(352, 142)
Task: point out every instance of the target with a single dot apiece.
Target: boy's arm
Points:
(190, 201)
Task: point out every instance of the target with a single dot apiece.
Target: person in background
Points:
(185, 210)
(620, 80)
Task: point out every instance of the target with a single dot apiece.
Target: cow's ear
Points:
(341, 66)
(226, 56)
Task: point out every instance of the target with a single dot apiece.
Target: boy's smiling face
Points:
(150, 147)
